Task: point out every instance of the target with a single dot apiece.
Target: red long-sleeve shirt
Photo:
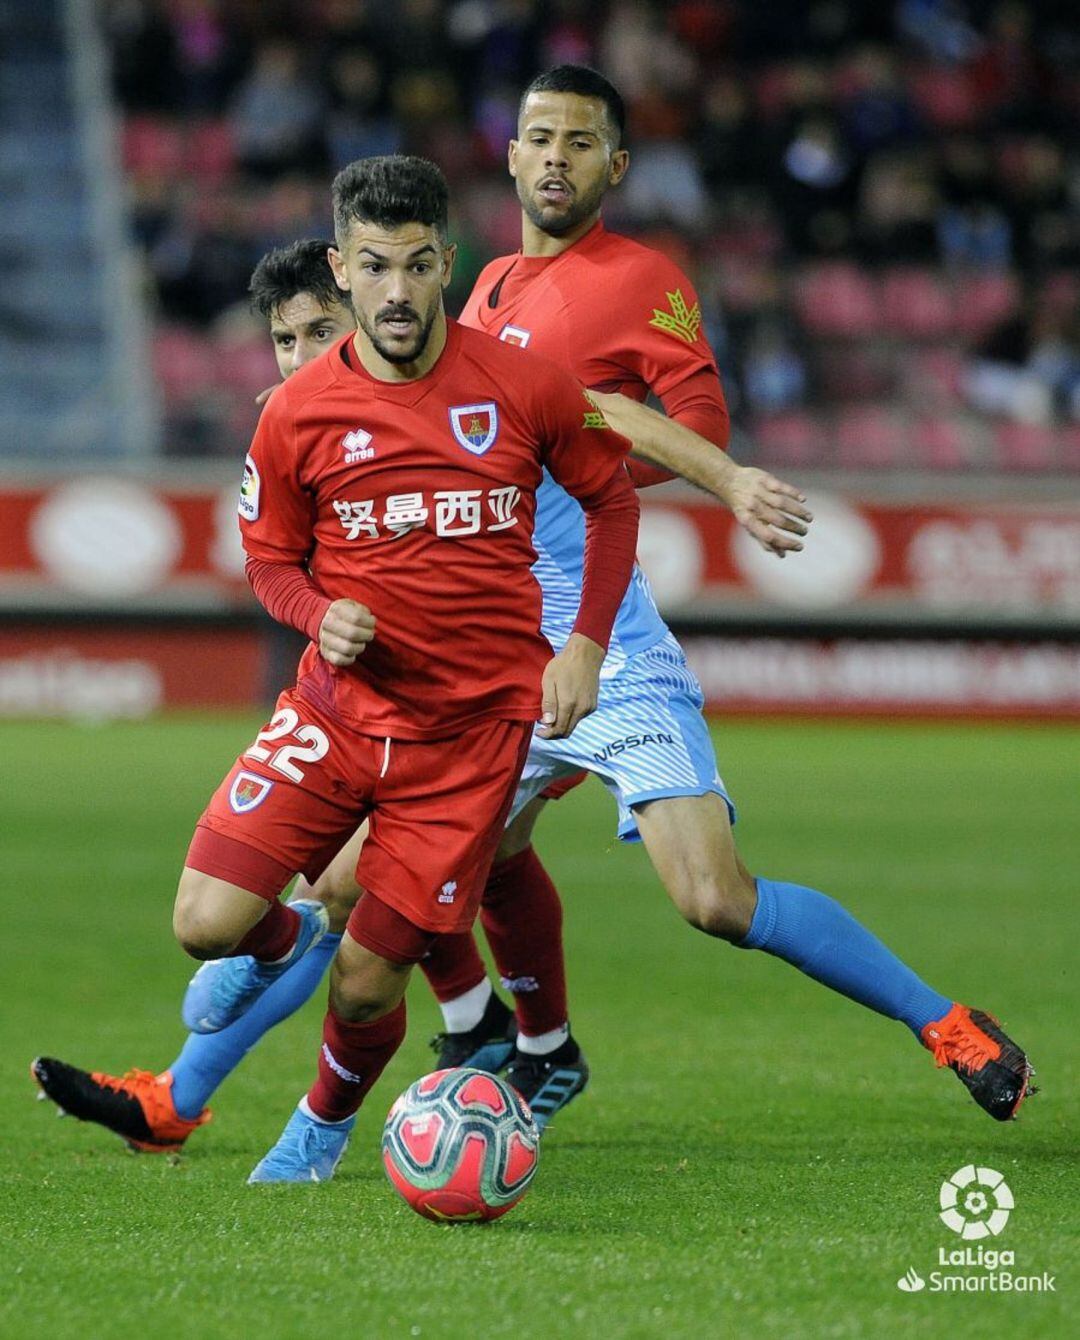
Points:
(417, 500)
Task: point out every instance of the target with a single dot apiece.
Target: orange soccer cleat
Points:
(995, 1071)
(137, 1107)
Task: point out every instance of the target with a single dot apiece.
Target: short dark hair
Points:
(390, 191)
(586, 83)
(301, 267)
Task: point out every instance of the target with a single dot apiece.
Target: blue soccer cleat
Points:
(306, 1151)
(226, 988)
(549, 1082)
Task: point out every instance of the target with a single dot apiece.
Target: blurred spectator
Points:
(639, 53)
(972, 226)
(898, 210)
(940, 27)
(1028, 369)
(816, 188)
(728, 137)
(878, 112)
(145, 68)
(358, 121)
(276, 113)
(773, 375)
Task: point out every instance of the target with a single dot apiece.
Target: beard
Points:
(398, 355)
(556, 220)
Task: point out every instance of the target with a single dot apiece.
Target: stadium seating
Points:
(1026, 446)
(837, 299)
(916, 303)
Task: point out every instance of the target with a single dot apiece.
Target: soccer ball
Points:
(460, 1145)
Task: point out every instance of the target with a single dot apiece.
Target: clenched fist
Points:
(345, 631)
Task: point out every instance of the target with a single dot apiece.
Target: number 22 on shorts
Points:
(313, 745)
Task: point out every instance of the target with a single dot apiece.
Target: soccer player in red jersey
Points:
(387, 511)
(624, 319)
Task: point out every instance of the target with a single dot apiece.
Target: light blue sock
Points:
(815, 934)
(208, 1058)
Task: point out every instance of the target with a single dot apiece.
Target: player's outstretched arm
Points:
(570, 686)
(773, 512)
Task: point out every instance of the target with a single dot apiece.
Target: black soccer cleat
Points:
(548, 1082)
(993, 1069)
(488, 1046)
(138, 1106)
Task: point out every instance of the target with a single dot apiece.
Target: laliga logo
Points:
(975, 1202)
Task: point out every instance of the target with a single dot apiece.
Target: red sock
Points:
(453, 966)
(522, 919)
(273, 937)
(351, 1059)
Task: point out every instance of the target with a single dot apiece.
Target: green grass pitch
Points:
(755, 1156)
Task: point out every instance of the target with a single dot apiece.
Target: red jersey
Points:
(416, 499)
(620, 316)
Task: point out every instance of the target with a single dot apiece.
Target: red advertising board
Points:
(127, 672)
(125, 548)
(109, 542)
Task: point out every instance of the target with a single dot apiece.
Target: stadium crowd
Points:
(880, 204)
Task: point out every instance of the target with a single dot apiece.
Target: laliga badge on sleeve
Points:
(249, 491)
(248, 792)
(475, 426)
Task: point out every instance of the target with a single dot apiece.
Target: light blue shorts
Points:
(646, 740)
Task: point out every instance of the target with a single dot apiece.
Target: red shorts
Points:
(562, 785)
(436, 810)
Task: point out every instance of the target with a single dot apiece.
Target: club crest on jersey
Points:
(248, 792)
(475, 426)
(515, 335)
(357, 446)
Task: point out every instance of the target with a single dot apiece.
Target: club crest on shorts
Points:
(248, 792)
(475, 426)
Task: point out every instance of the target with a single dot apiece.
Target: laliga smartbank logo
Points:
(975, 1203)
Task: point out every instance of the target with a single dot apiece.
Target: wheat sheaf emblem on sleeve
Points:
(683, 322)
(594, 418)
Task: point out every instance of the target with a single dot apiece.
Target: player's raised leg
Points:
(248, 940)
(155, 1113)
(206, 1060)
(690, 841)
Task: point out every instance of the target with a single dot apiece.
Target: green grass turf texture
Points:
(755, 1157)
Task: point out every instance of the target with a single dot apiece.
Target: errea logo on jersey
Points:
(357, 446)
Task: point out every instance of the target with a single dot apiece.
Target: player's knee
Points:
(197, 935)
(359, 1000)
(720, 907)
(199, 931)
